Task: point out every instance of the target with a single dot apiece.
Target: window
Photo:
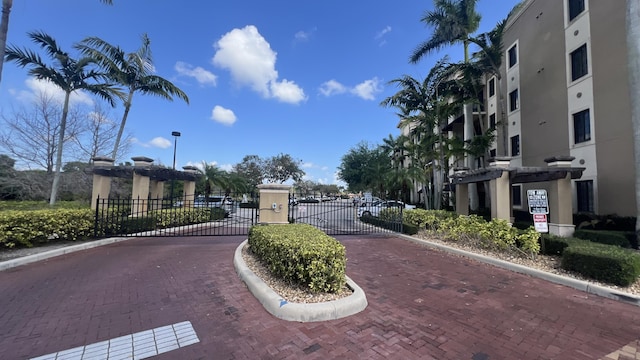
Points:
(576, 7)
(584, 191)
(513, 100)
(579, 65)
(492, 87)
(492, 153)
(581, 126)
(492, 121)
(513, 55)
(515, 145)
(516, 195)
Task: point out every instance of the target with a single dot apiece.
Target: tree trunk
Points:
(127, 107)
(4, 30)
(56, 176)
(633, 49)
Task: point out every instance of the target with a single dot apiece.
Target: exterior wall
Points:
(612, 110)
(549, 97)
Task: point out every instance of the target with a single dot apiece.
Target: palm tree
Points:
(68, 74)
(489, 60)
(134, 71)
(4, 27)
(633, 51)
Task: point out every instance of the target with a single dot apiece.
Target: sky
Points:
(303, 78)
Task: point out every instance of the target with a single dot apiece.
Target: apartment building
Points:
(565, 93)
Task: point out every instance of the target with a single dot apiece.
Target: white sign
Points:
(538, 201)
(540, 223)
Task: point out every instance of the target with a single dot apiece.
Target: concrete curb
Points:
(4, 265)
(284, 310)
(554, 278)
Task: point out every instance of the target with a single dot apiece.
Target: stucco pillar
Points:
(274, 203)
(559, 197)
(101, 183)
(462, 193)
(156, 193)
(141, 182)
(500, 189)
(189, 188)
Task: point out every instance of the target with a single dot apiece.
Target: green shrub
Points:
(301, 254)
(605, 263)
(409, 229)
(26, 228)
(616, 238)
(389, 225)
(555, 245)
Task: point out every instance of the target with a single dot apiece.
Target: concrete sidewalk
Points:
(423, 304)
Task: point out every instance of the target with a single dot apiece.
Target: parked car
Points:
(374, 208)
(309, 200)
(222, 202)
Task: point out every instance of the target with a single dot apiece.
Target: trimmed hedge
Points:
(616, 238)
(301, 254)
(603, 263)
(29, 228)
(555, 245)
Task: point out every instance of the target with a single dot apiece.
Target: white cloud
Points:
(47, 88)
(367, 89)
(307, 165)
(160, 142)
(251, 61)
(223, 116)
(202, 76)
(383, 32)
(287, 91)
(332, 87)
(301, 36)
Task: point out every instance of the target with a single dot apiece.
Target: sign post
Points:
(539, 208)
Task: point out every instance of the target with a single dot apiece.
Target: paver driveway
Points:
(423, 304)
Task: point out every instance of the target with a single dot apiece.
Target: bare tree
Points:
(30, 134)
(98, 135)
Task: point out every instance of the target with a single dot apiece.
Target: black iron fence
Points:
(342, 216)
(210, 216)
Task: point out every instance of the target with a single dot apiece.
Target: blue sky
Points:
(263, 77)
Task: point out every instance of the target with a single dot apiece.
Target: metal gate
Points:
(338, 216)
(204, 216)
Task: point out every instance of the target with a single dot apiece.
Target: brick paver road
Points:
(423, 304)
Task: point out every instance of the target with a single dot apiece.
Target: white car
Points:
(374, 208)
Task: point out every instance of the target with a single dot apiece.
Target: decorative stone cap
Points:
(460, 170)
(500, 161)
(559, 161)
(142, 161)
(274, 187)
(102, 161)
(190, 168)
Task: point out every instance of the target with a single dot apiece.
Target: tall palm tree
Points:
(134, 71)
(4, 27)
(68, 74)
(489, 60)
(633, 51)
(453, 22)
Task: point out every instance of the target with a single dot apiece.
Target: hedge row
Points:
(29, 228)
(301, 254)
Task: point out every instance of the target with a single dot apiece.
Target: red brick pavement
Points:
(423, 304)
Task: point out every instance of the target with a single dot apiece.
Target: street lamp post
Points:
(176, 135)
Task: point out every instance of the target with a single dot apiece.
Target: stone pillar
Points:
(156, 194)
(274, 203)
(141, 182)
(559, 197)
(500, 189)
(101, 183)
(462, 193)
(189, 188)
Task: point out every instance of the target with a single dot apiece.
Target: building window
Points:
(579, 64)
(581, 126)
(492, 121)
(576, 7)
(513, 100)
(584, 191)
(513, 55)
(492, 153)
(515, 145)
(492, 87)
(516, 195)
